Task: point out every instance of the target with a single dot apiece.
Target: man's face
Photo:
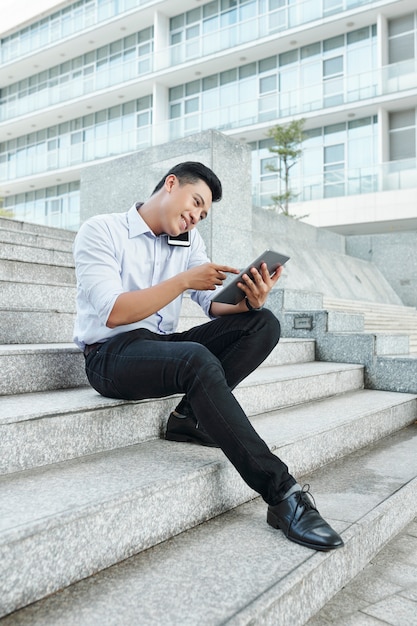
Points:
(184, 205)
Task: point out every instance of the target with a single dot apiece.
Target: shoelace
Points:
(305, 499)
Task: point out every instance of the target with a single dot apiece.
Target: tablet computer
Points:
(231, 294)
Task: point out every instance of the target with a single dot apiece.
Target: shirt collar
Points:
(136, 224)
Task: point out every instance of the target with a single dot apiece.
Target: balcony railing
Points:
(390, 176)
(391, 79)
(51, 155)
(105, 76)
(83, 17)
(64, 24)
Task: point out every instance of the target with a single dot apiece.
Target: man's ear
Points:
(170, 182)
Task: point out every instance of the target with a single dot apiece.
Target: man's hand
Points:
(256, 291)
(207, 276)
(258, 288)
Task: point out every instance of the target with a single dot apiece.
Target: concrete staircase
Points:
(132, 529)
(380, 317)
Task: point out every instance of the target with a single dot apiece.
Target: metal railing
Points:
(391, 79)
(82, 17)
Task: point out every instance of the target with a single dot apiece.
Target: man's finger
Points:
(227, 269)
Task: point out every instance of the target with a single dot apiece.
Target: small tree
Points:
(287, 139)
(3, 211)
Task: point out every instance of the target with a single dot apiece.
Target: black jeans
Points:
(205, 363)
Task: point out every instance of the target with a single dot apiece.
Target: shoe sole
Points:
(272, 521)
(188, 439)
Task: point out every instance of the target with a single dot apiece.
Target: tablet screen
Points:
(231, 294)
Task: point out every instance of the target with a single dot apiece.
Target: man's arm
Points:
(133, 306)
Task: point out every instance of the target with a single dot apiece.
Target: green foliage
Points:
(3, 211)
(287, 147)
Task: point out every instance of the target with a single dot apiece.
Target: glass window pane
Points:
(193, 87)
(175, 93)
(175, 111)
(267, 64)
(247, 70)
(402, 119)
(288, 57)
(210, 82)
(176, 22)
(334, 154)
(402, 24)
(192, 32)
(192, 16)
(333, 66)
(228, 76)
(402, 145)
(269, 83)
(311, 50)
(401, 48)
(334, 42)
(176, 38)
(358, 35)
(210, 9)
(191, 106)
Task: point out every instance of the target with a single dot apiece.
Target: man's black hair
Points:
(190, 172)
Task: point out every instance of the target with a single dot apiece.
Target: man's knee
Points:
(201, 359)
(271, 323)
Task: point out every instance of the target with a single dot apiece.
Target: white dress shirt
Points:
(117, 252)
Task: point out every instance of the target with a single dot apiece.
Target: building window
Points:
(299, 81)
(117, 130)
(402, 38)
(333, 81)
(334, 170)
(112, 64)
(402, 135)
(57, 206)
(339, 159)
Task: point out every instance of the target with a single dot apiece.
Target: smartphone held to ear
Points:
(180, 240)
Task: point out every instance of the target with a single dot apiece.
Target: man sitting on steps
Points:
(130, 282)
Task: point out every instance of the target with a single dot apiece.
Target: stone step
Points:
(29, 254)
(31, 325)
(270, 580)
(48, 427)
(44, 313)
(27, 295)
(35, 240)
(52, 231)
(28, 324)
(38, 273)
(27, 368)
(383, 592)
(40, 367)
(410, 317)
(380, 317)
(67, 521)
(360, 305)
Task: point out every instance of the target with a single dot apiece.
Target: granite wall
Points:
(318, 260)
(395, 254)
(113, 186)
(235, 232)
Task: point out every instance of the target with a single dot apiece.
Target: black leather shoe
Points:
(187, 429)
(300, 521)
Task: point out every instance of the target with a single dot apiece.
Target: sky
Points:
(14, 12)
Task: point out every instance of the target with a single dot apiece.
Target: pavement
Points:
(385, 592)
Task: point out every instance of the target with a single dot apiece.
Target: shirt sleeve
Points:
(98, 268)
(198, 256)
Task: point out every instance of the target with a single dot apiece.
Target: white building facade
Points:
(94, 79)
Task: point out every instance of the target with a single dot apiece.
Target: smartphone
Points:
(180, 240)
